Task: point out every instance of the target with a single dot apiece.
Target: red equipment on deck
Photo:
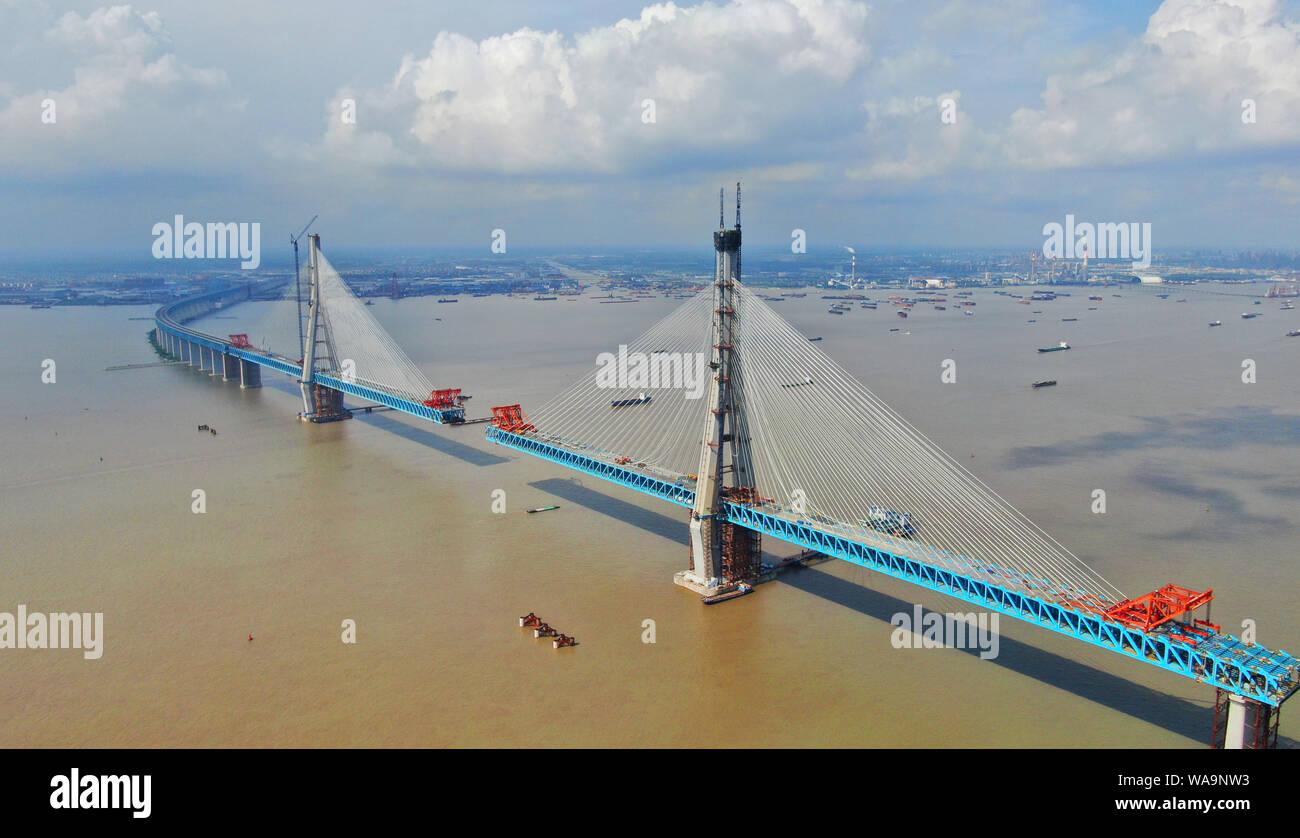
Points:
(511, 418)
(1153, 609)
(562, 640)
(442, 399)
(241, 342)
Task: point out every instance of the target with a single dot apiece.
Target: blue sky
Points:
(530, 117)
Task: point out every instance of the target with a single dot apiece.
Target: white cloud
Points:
(1178, 89)
(733, 75)
(131, 103)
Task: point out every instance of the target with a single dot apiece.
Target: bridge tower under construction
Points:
(723, 554)
(319, 403)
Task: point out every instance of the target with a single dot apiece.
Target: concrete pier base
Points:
(1235, 739)
(703, 587)
(250, 374)
(218, 363)
(229, 367)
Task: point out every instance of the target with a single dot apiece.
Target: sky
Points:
(920, 123)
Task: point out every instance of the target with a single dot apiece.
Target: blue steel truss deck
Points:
(170, 320)
(1222, 660)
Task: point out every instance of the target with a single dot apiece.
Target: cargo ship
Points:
(1063, 345)
(739, 591)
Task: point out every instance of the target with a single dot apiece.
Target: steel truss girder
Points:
(1224, 661)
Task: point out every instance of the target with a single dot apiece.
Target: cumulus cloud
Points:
(129, 95)
(730, 76)
(1178, 89)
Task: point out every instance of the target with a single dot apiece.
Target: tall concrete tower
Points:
(722, 555)
(319, 404)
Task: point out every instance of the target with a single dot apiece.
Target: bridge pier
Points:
(326, 404)
(218, 363)
(228, 363)
(1242, 723)
(250, 375)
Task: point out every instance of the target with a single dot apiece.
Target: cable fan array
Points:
(825, 450)
(377, 360)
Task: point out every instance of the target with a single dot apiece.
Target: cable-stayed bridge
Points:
(345, 351)
(725, 409)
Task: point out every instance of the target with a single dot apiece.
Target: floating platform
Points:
(739, 591)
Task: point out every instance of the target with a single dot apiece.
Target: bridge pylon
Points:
(723, 555)
(319, 403)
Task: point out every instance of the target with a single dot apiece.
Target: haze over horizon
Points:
(534, 120)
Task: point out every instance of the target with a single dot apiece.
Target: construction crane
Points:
(297, 282)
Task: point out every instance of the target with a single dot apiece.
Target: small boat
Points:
(1245, 316)
(1216, 323)
(834, 311)
(542, 509)
(545, 298)
(640, 399)
(1051, 382)
(814, 340)
(893, 330)
(1294, 333)
(1033, 321)
(1063, 345)
(1069, 319)
(370, 302)
(902, 314)
(1098, 299)
(968, 313)
(742, 589)
(447, 300)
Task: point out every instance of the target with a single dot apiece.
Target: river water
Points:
(388, 521)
